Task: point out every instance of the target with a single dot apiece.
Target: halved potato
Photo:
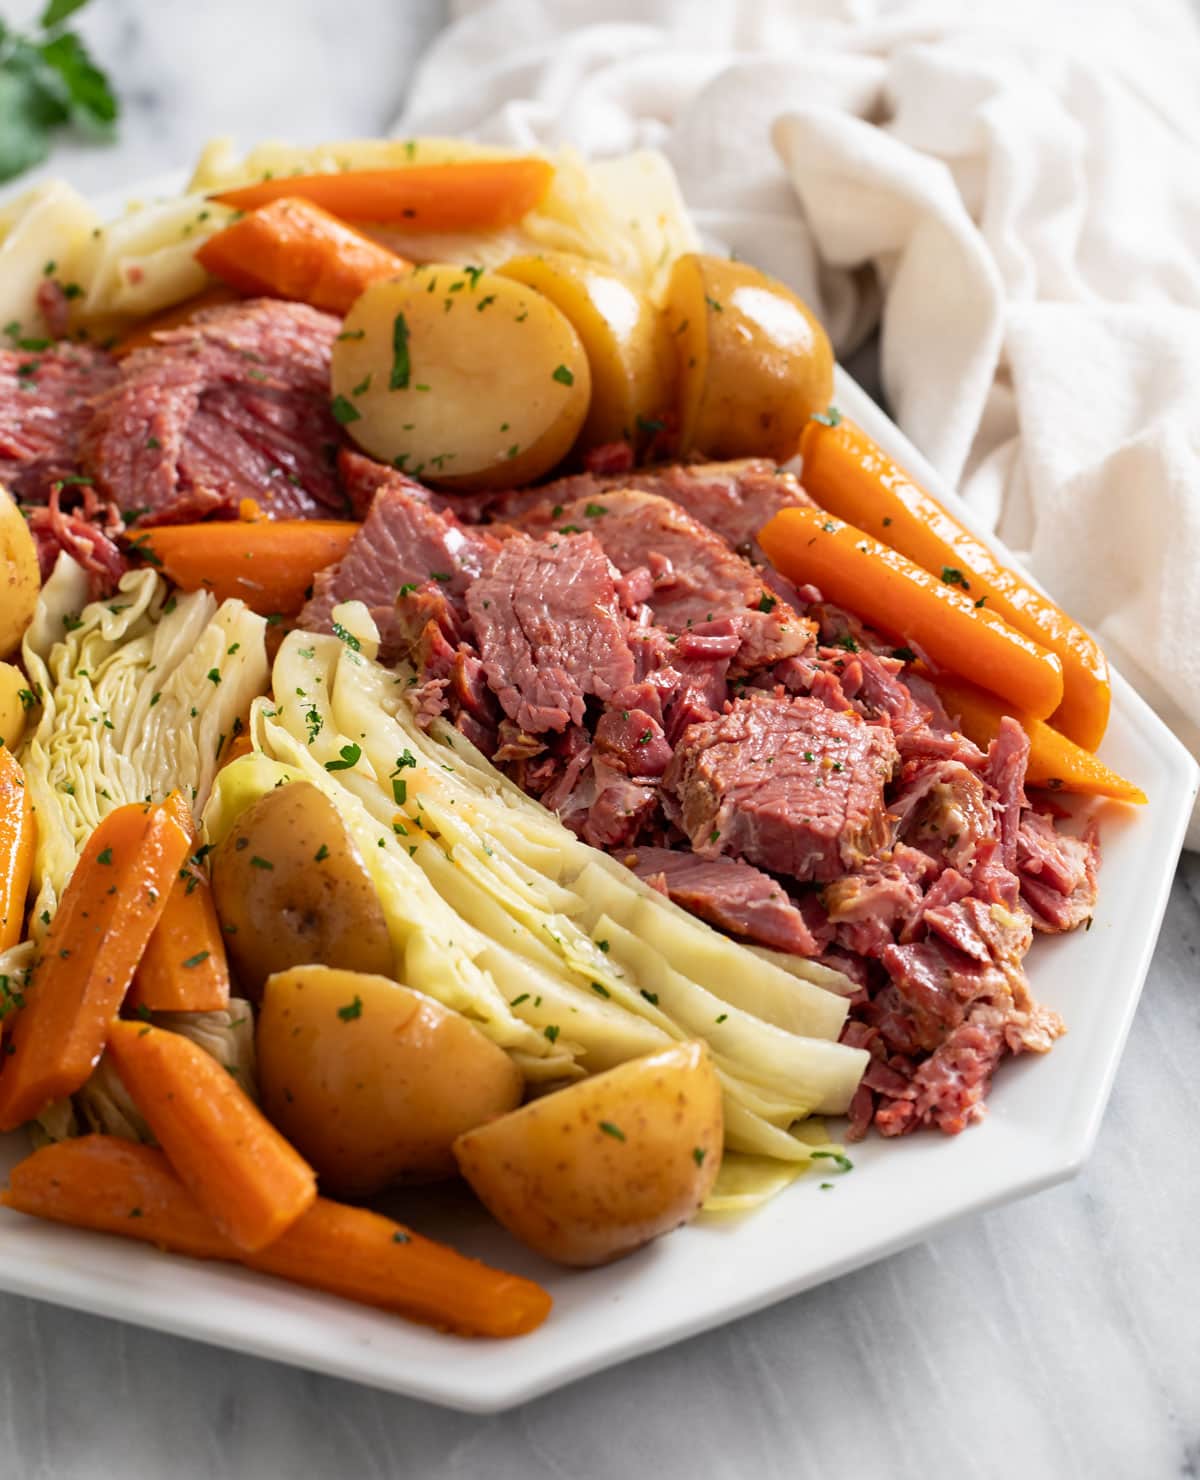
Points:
(753, 362)
(13, 707)
(291, 888)
(592, 1172)
(623, 336)
(461, 377)
(372, 1081)
(20, 575)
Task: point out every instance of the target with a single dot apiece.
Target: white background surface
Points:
(1058, 1337)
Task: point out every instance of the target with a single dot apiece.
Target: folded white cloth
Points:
(1011, 192)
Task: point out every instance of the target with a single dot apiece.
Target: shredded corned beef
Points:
(87, 532)
(756, 753)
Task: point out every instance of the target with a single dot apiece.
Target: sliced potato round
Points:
(20, 575)
(372, 1081)
(461, 377)
(16, 698)
(753, 362)
(291, 888)
(623, 336)
(592, 1172)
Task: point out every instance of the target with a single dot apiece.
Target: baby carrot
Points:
(115, 1186)
(891, 593)
(849, 475)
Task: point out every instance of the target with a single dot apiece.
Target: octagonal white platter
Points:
(1044, 1115)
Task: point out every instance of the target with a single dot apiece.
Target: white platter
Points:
(1044, 1117)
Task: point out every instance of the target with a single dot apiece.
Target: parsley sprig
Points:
(48, 80)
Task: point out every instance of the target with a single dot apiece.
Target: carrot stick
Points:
(250, 1181)
(108, 912)
(849, 475)
(17, 837)
(895, 595)
(293, 249)
(115, 1186)
(183, 968)
(436, 197)
(267, 563)
(1054, 760)
(173, 318)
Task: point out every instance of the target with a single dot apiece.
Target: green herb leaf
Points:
(344, 412)
(349, 758)
(830, 417)
(351, 1010)
(563, 376)
(614, 1131)
(954, 577)
(842, 1162)
(401, 362)
(196, 960)
(347, 637)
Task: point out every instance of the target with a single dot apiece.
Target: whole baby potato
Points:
(753, 362)
(372, 1081)
(623, 337)
(461, 377)
(594, 1171)
(15, 698)
(291, 888)
(20, 575)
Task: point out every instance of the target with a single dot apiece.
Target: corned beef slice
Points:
(733, 500)
(87, 532)
(233, 405)
(549, 629)
(693, 575)
(785, 783)
(403, 542)
(729, 894)
(45, 404)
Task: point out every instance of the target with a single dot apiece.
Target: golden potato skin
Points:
(372, 1081)
(623, 337)
(461, 377)
(291, 889)
(13, 684)
(20, 575)
(754, 364)
(594, 1171)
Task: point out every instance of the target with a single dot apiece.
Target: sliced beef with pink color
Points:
(403, 542)
(1004, 771)
(729, 894)
(233, 405)
(1057, 873)
(878, 902)
(550, 630)
(694, 577)
(733, 500)
(787, 784)
(45, 404)
(363, 477)
(88, 533)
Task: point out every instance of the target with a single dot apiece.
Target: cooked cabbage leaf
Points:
(139, 695)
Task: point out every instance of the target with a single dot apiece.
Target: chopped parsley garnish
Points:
(351, 1010)
(551, 1033)
(321, 854)
(344, 411)
(843, 1162)
(954, 577)
(830, 417)
(614, 1131)
(846, 641)
(257, 862)
(363, 386)
(516, 1002)
(722, 1017)
(563, 376)
(349, 754)
(196, 960)
(401, 362)
(905, 654)
(651, 997)
(440, 576)
(767, 602)
(600, 989)
(698, 1155)
(214, 675)
(594, 511)
(347, 637)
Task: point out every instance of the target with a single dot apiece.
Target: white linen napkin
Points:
(1009, 191)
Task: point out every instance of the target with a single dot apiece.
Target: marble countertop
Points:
(1057, 1337)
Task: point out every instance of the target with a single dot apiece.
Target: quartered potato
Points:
(592, 1172)
(623, 337)
(462, 377)
(291, 888)
(373, 1081)
(20, 575)
(13, 684)
(753, 362)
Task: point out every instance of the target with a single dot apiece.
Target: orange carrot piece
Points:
(291, 248)
(115, 1186)
(268, 563)
(849, 475)
(17, 838)
(184, 968)
(108, 912)
(173, 318)
(437, 197)
(893, 594)
(251, 1181)
(1054, 760)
